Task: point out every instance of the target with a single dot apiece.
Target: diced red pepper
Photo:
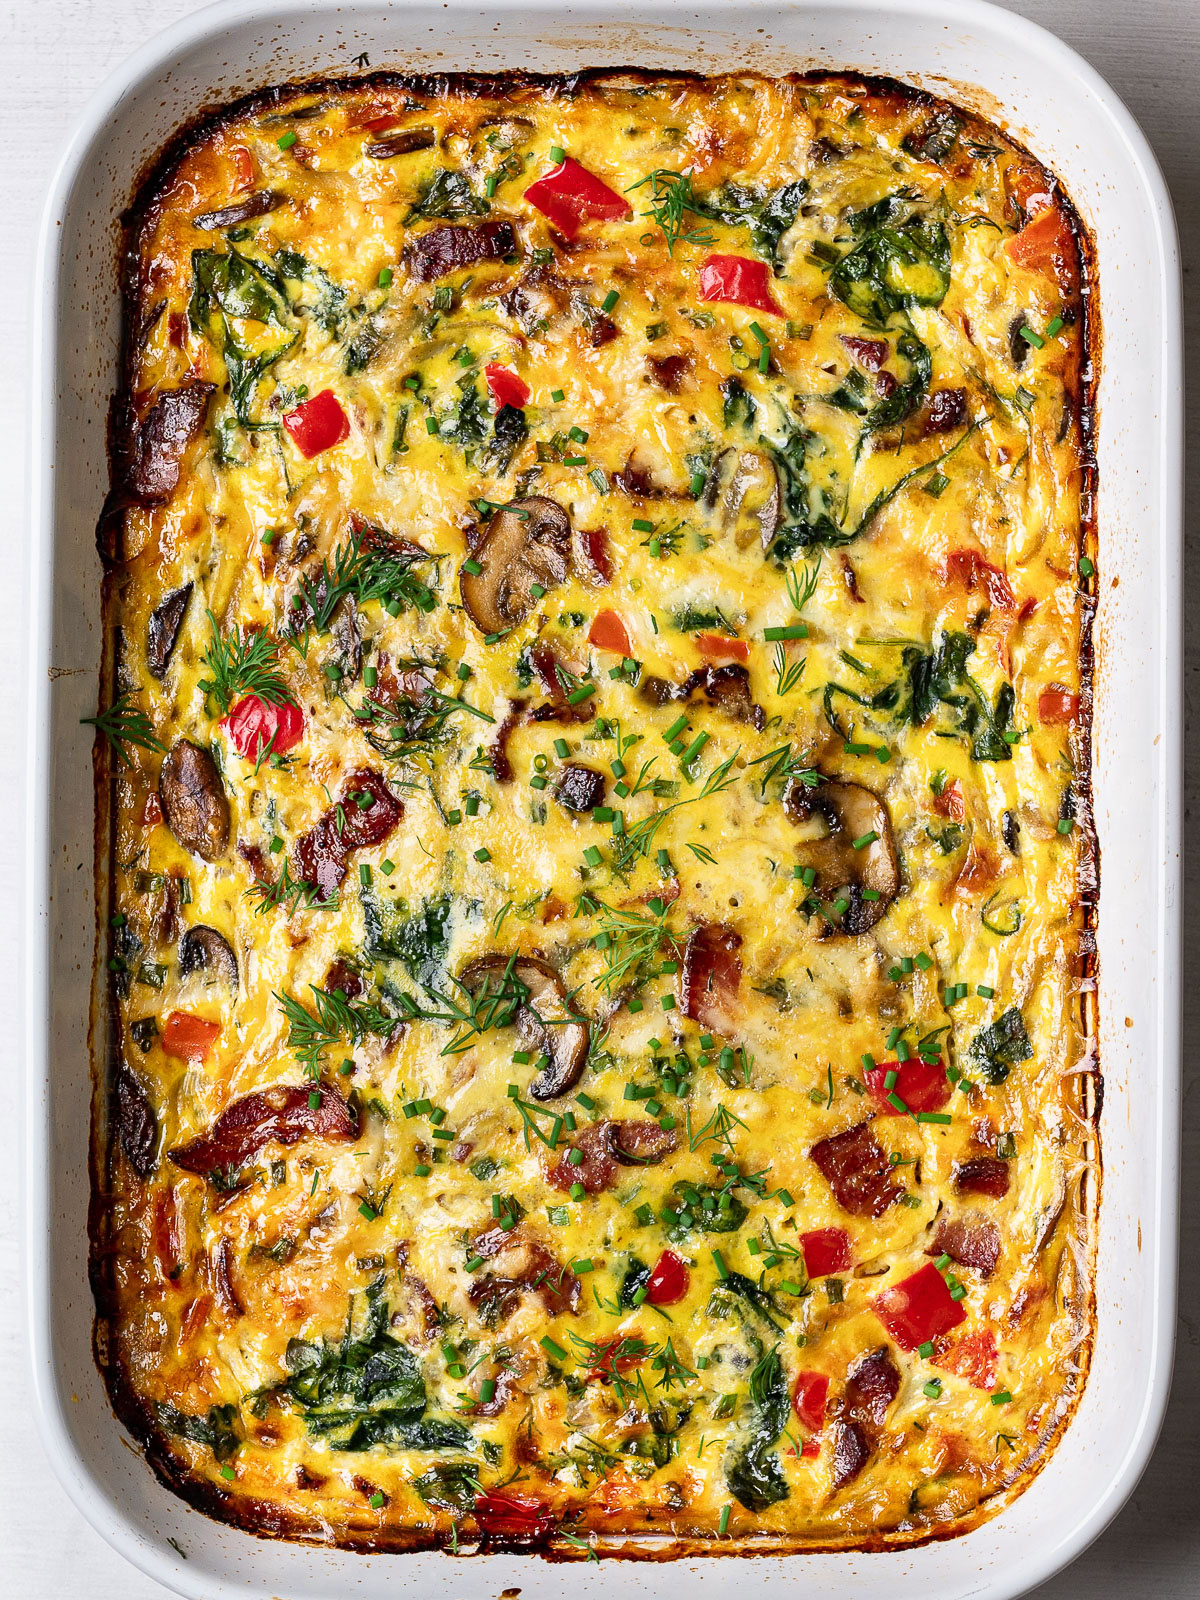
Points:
(318, 424)
(968, 567)
(1045, 245)
(668, 1281)
(808, 1399)
(826, 1250)
(243, 165)
(918, 1308)
(608, 632)
(950, 802)
(718, 647)
(507, 388)
(740, 281)
(922, 1085)
(1057, 705)
(189, 1037)
(514, 1516)
(569, 194)
(258, 728)
(151, 811)
(973, 1357)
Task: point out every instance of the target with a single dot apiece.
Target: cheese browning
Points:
(602, 863)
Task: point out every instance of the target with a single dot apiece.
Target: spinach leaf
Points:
(806, 507)
(509, 432)
(906, 396)
(637, 1276)
(229, 290)
(331, 307)
(448, 194)
(752, 1471)
(759, 1301)
(451, 1485)
(895, 263)
(738, 405)
(699, 1208)
(214, 1429)
(1001, 1045)
(365, 345)
(419, 939)
(767, 213)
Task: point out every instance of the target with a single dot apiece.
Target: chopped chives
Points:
(287, 140)
(472, 566)
(364, 874)
(1035, 339)
(551, 1348)
(795, 630)
(889, 1078)
(1086, 567)
(610, 300)
(925, 1350)
(578, 696)
(489, 187)
(719, 1262)
(724, 1522)
(934, 1116)
(592, 856)
(385, 277)
(933, 1389)
(1053, 326)
(557, 395)
(1001, 1397)
(474, 1264)
(693, 750)
(697, 483)
(675, 729)
(984, 992)
(562, 749)
(1065, 825)
(640, 525)
(483, 853)
(861, 843)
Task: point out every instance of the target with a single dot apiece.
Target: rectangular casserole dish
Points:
(1045, 97)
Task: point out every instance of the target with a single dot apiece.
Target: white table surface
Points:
(54, 57)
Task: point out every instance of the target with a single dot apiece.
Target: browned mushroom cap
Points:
(857, 853)
(542, 1019)
(193, 800)
(401, 144)
(254, 205)
(204, 949)
(528, 543)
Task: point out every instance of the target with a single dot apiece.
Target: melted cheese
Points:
(709, 481)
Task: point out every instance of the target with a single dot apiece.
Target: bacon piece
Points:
(221, 1273)
(710, 975)
(594, 554)
(944, 410)
(950, 802)
(869, 353)
(343, 976)
(608, 1145)
(320, 856)
(973, 1357)
(983, 1175)
(282, 1115)
(454, 246)
(856, 1168)
(851, 1452)
(533, 1270)
(670, 371)
(497, 751)
(546, 664)
(969, 568)
(871, 1386)
(579, 788)
(726, 687)
(162, 436)
(970, 1241)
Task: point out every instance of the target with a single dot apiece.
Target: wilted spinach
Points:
(214, 1429)
(420, 939)
(767, 213)
(1001, 1045)
(752, 1471)
(900, 259)
(449, 194)
(229, 290)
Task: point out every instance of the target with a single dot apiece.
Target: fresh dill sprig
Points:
(672, 200)
(368, 566)
(630, 942)
(800, 589)
(290, 892)
(241, 663)
(717, 1130)
(673, 1370)
(126, 724)
(310, 1037)
(781, 763)
(412, 722)
(606, 1357)
(638, 838)
(787, 673)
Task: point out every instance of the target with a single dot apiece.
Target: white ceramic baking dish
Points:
(1011, 71)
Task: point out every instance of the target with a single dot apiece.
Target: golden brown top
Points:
(601, 841)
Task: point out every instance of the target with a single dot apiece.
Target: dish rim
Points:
(89, 133)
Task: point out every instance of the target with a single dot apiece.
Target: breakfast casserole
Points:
(595, 844)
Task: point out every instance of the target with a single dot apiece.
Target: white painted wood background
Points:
(54, 56)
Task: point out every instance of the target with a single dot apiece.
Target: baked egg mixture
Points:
(601, 863)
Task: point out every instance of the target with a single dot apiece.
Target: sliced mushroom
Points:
(161, 440)
(193, 800)
(526, 544)
(400, 144)
(580, 788)
(203, 949)
(858, 853)
(542, 1020)
(254, 205)
(744, 487)
(162, 631)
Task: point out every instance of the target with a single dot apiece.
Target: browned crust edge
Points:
(265, 1519)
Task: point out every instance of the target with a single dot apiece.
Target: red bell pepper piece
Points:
(189, 1037)
(918, 1308)
(668, 1281)
(318, 424)
(717, 647)
(243, 165)
(569, 194)
(608, 632)
(922, 1085)
(808, 1399)
(259, 728)
(1057, 705)
(740, 281)
(826, 1250)
(973, 1357)
(514, 1516)
(1044, 245)
(507, 388)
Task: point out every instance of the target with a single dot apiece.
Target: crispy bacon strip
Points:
(856, 1168)
(282, 1115)
(710, 975)
(606, 1146)
(970, 1241)
(321, 855)
(871, 1386)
